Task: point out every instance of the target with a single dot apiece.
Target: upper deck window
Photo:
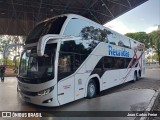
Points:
(113, 39)
(134, 44)
(86, 30)
(75, 26)
(124, 42)
(52, 26)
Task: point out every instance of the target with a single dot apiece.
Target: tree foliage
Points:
(155, 57)
(141, 37)
(5, 40)
(151, 40)
(91, 32)
(10, 62)
(155, 41)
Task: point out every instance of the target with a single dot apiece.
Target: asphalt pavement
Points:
(127, 97)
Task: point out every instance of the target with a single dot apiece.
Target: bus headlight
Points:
(45, 92)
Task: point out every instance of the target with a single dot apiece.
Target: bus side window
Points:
(99, 68)
(133, 44)
(108, 63)
(134, 61)
(124, 42)
(122, 62)
(117, 63)
(77, 61)
(127, 62)
(72, 54)
(75, 26)
(112, 39)
(65, 65)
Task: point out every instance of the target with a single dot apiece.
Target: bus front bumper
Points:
(49, 100)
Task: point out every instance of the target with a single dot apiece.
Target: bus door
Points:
(66, 90)
(65, 78)
(80, 80)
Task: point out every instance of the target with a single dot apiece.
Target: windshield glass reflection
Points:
(33, 66)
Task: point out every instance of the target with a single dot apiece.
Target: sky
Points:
(144, 18)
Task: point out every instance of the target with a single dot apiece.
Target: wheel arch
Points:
(96, 78)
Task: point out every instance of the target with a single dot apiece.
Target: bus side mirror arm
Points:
(43, 41)
(42, 44)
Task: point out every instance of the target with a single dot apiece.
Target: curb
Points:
(151, 103)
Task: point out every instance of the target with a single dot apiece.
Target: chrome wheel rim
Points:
(91, 89)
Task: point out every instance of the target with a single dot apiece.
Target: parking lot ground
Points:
(127, 97)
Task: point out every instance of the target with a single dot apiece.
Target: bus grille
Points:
(29, 93)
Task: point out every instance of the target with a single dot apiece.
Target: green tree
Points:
(155, 57)
(6, 40)
(148, 58)
(141, 37)
(155, 42)
(3, 44)
(9, 62)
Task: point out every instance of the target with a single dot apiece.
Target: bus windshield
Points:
(52, 26)
(33, 66)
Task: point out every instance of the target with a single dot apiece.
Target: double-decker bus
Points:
(70, 57)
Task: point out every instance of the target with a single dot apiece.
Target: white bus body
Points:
(58, 69)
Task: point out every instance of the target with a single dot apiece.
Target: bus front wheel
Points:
(91, 89)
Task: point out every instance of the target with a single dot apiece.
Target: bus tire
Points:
(91, 89)
(135, 77)
(139, 74)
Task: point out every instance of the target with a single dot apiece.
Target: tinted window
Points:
(52, 26)
(127, 62)
(38, 69)
(124, 42)
(65, 65)
(94, 33)
(133, 63)
(72, 55)
(134, 44)
(86, 30)
(113, 39)
(79, 46)
(75, 26)
(99, 69)
(110, 63)
(113, 63)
